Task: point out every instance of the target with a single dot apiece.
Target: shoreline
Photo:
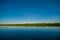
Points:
(32, 24)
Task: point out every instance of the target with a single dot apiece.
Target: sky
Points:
(29, 11)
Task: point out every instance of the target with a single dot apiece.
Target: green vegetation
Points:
(32, 24)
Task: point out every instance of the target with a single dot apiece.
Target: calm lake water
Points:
(29, 33)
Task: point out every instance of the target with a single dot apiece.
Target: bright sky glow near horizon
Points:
(29, 11)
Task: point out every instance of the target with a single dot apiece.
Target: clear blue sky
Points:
(24, 11)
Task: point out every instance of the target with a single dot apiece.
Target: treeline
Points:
(32, 24)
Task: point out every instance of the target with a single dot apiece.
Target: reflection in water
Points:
(29, 33)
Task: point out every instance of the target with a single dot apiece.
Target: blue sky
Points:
(27, 11)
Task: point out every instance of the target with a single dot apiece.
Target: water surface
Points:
(29, 33)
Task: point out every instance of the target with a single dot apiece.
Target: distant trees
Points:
(32, 24)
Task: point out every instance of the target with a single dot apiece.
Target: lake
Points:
(29, 33)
